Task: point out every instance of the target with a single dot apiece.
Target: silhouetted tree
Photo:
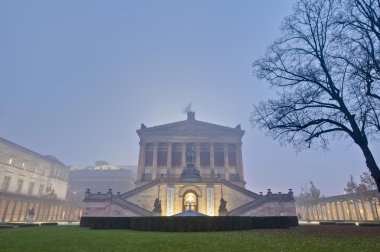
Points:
(325, 66)
(310, 193)
(367, 184)
(366, 187)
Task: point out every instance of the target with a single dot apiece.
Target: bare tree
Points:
(322, 93)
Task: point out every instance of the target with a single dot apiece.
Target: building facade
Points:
(356, 207)
(33, 187)
(189, 166)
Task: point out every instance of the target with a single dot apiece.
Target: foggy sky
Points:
(78, 78)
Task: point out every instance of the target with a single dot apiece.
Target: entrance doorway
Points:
(190, 201)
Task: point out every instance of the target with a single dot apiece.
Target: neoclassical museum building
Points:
(189, 167)
(33, 187)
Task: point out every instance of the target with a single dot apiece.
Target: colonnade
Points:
(17, 211)
(339, 210)
(224, 170)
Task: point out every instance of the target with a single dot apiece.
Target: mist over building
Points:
(100, 177)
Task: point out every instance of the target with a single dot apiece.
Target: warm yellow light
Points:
(190, 198)
(10, 161)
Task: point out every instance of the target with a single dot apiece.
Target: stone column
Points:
(226, 164)
(312, 213)
(13, 210)
(349, 210)
(239, 161)
(364, 210)
(5, 211)
(42, 212)
(48, 210)
(154, 165)
(373, 211)
(26, 212)
(344, 215)
(358, 214)
(323, 212)
(141, 164)
(326, 215)
(337, 211)
(198, 155)
(169, 158)
(59, 215)
(329, 206)
(20, 212)
(212, 155)
(309, 215)
(38, 209)
(316, 211)
(183, 154)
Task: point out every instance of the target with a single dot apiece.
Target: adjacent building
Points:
(189, 165)
(33, 186)
(99, 177)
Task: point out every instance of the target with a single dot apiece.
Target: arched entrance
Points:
(190, 201)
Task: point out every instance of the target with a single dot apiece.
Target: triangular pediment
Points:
(191, 126)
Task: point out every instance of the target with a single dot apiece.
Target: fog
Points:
(79, 77)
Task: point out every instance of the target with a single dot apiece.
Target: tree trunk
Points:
(371, 164)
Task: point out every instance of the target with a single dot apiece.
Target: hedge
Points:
(189, 223)
(49, 224)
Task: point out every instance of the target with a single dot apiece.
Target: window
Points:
(31, 187)
(20, 182)
(24, 165)
(11, 161)
(5, 185)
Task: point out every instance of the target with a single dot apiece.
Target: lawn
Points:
(303, 238)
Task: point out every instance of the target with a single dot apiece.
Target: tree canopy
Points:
(366, 184)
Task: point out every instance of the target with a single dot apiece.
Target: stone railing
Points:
(88, 196)
(116, 199)
(269, 197)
